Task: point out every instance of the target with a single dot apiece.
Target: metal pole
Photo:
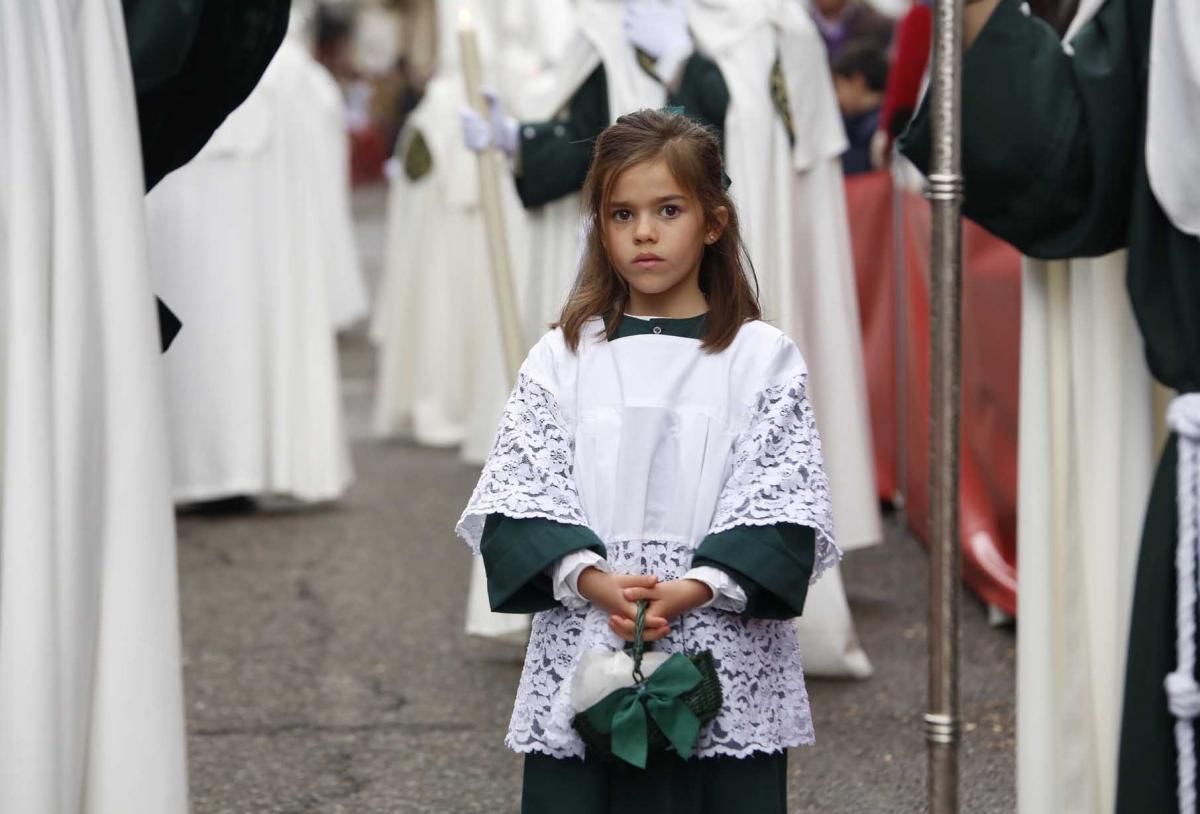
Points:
(945, 194)
(900, 346)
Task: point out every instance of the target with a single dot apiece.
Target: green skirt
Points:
(669, 785)
(1146, 773)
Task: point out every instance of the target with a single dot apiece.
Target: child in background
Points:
(860, 78)
(659, 446)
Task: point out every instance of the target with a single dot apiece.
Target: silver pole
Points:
(900, 346)
(945, 193)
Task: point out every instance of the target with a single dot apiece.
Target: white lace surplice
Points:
(653, 444)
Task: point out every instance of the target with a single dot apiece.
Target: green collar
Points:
(688, 328)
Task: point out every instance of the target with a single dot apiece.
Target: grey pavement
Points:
(326, 668)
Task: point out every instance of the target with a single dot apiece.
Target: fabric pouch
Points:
(630, 704)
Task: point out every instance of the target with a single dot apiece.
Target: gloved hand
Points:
(660, 28)
(499, 130)
(477, 133)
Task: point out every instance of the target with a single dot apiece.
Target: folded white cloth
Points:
(602, 672)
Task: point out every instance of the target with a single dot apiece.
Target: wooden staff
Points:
(490, 172)
(945, 193)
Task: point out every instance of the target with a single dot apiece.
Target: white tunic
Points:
(1086, 460)
(443, 387)
(242, 243)
(91, 697)
(791, 201)
(654, 444)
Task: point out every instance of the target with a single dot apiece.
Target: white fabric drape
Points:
(791, 201)
(1086, 462)
(1173, 112)
(91, 708)
(441, 373)
(247, 243)
(441, 369)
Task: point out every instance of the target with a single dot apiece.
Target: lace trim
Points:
(779, 472)
(758, 660)
(528, 473)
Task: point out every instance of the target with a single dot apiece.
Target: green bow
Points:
(623, 713)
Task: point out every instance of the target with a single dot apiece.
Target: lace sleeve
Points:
(779, 473)
(529, 470)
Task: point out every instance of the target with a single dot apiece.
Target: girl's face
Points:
(655, 234)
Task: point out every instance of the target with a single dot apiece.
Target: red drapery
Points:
(991, 320)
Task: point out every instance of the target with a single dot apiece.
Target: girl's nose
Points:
(644, 231)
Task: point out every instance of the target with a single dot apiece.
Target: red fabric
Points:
(910, 57)
(991, 345)
(368, 153)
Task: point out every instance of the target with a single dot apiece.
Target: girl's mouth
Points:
(647, 260)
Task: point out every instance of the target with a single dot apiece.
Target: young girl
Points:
(659, 445)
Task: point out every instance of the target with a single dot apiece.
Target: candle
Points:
(490, 172)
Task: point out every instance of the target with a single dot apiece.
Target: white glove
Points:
(660, 28)
(500, 130)
(504, 126)
(477, 133)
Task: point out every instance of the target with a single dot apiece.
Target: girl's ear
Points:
(718, 219)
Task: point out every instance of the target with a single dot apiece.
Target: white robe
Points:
(347, 289)
(91, 706)
(1086, 461)
(441, 377)
(241, 244)
(441, 374)
(792, 204)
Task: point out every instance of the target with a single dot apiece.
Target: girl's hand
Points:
(667, 601)
(607, 591)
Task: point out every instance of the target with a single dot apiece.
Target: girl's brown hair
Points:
(693, 156)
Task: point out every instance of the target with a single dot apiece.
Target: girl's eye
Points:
(622, 215)
(670, 210)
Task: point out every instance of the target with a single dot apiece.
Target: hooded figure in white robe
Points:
(243, 240)
(441, 375)
(787, 183)
(91, 702)
(347, 288)
(441, 372)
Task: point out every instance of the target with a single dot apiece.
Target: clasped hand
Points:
(619, 594)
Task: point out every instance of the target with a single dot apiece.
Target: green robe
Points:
(1054, 160)
(772, 565)
(194, 62)
(555, 155)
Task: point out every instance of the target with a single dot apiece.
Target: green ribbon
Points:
(624, 713)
